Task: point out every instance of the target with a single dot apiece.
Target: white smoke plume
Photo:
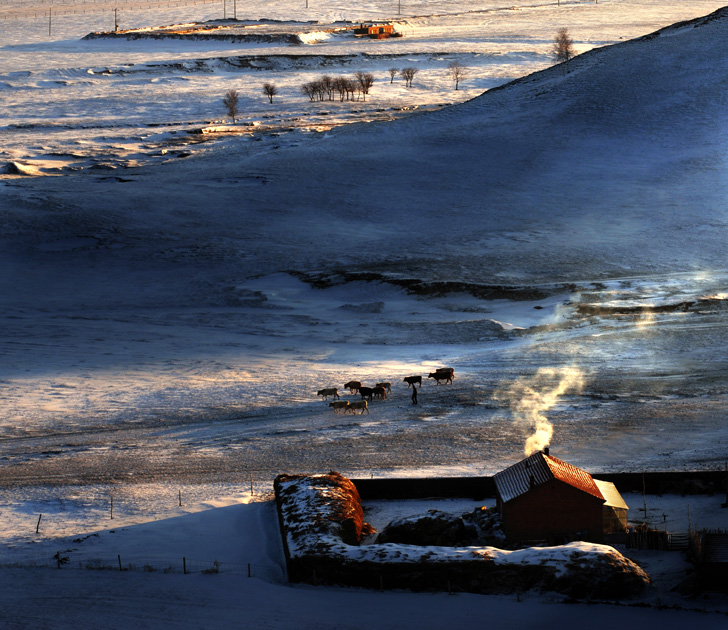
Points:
(530, 398)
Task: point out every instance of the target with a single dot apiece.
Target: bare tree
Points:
(344, 86)
(308, 90)
(270, 90)
(393, 72)
(232, 103)
(365, 80)
(327, 83)
(563, 49)
(315, 90)
(408, 74)
(457, 72)
(350, 85)
(321, 89)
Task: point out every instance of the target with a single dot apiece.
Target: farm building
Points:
(377, 31)
(542, 498)
(614, 510)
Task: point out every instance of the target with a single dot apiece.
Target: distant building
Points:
(377, 31)
(542, 498)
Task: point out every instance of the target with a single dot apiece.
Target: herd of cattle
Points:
(379, 391)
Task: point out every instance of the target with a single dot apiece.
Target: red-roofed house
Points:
(542, 498)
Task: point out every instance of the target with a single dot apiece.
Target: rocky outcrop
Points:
(16, 168)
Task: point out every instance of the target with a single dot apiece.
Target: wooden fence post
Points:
(40, 516)
(119, 559)
(184, 566)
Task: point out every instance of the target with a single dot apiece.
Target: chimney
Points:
(546, 451)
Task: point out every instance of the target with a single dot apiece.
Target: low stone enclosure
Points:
(322, 524)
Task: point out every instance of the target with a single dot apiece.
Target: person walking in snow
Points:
(414, 395)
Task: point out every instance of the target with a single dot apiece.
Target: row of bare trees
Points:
(343, 88)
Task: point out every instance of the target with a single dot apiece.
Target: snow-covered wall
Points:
(313, 508)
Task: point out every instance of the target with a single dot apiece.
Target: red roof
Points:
(540, 468)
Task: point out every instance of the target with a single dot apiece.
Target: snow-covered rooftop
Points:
(540, 468)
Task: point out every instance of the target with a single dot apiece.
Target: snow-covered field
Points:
(167, 320)
(70, 104)
(223, 540)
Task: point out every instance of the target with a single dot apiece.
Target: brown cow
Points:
(330, 391)
(366, 392)
(352, 386)
(379, 392)
(359, 404)
(411, 380)
(339, 404)
(441, 376)
(447, 369)
(387, 386)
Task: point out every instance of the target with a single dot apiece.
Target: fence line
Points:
(61, 560)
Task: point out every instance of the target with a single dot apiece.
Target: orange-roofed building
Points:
(542, 498)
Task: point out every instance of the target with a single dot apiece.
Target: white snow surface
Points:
(232, 533)
(159, 333)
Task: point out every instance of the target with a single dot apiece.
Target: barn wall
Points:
(615, 519)
(553, 511)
